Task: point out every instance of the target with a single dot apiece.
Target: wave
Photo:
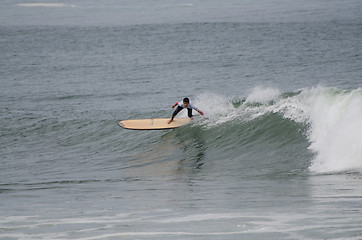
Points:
(44, 5)
(328, 118)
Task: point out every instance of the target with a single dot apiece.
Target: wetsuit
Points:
(180, 105)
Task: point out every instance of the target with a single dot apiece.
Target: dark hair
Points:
(186, 100)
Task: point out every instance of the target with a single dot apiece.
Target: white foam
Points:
(186, 5)
(336, 131)
(201, 217)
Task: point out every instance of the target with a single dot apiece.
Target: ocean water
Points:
(279, 155)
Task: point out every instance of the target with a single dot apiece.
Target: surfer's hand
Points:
(201, 113)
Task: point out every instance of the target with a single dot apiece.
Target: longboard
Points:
(153, 124)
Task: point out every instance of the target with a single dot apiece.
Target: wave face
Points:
(329, 119)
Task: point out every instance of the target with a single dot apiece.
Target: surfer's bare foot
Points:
(169, 121)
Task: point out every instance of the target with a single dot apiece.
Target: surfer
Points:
(184, 104)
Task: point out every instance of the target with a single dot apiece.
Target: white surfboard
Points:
(154, 123)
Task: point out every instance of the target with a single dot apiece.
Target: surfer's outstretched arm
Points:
(196, 109)
(175, 105)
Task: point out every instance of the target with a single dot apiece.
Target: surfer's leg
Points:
(178, 109)
(189, 112)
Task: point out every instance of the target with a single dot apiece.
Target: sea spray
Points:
(216, 108)
(263, 95)
(220, 109)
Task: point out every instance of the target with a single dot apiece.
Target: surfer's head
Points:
(186, 101)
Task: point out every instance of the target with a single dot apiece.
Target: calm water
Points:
(278, 157)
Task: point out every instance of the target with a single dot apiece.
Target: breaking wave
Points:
(330, 118)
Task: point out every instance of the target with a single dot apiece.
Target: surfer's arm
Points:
(175, 105)
(197, 110)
